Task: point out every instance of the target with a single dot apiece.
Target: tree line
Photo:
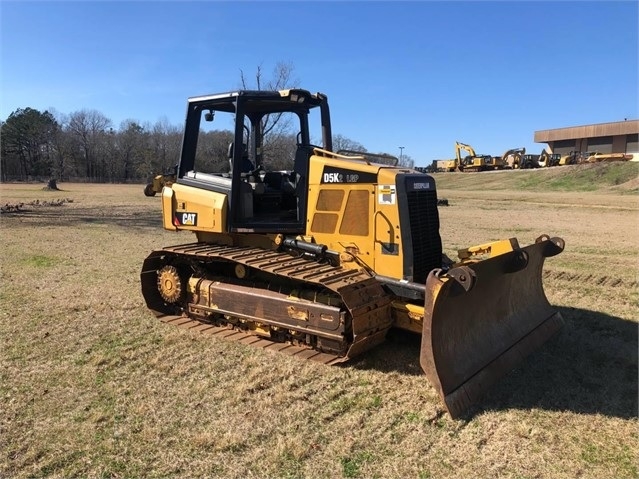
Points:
(84, 146)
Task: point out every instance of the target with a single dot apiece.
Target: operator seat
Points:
(247, 165)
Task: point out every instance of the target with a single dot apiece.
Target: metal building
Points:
(615, 137)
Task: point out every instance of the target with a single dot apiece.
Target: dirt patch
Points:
(631, 185)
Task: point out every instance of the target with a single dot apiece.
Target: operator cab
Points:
(255, 146)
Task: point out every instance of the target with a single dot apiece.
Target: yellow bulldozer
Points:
(320, 260)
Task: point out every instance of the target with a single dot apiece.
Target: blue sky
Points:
(420, 75)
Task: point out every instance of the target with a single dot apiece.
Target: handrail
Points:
(331, 154)
(356, 156)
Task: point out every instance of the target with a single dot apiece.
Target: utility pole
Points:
(401, 151)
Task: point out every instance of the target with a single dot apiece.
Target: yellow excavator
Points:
(512, 157)
(320, 260)
(475, 162)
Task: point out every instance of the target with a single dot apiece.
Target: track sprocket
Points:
(170, 285)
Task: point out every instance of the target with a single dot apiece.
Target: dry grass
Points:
(92, 385)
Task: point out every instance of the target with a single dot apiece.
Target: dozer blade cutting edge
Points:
(483, 318)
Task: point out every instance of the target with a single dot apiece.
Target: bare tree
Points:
(166, 141)
(63, 145)
(130, 145)
(281, 78)
(212, 150)
(340, 142)
(89, 128)
(407, 161)
(277, 128)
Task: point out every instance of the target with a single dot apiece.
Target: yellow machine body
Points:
(321, 260)
(475, 162)
(157, 183)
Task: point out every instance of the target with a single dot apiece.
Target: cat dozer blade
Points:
(483, 318)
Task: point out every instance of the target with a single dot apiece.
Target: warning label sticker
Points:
(387, 195)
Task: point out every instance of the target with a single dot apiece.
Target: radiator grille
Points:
(424, 233)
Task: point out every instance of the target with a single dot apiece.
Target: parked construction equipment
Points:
(321, 260)
(448, 165)
(512, 158)
(574, 157)
(548, 159)
(475, 162)
(597, 157)
(158, 182)
(529, 162)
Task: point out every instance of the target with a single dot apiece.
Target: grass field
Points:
(92, 385)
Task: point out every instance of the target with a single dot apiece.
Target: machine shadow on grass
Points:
(589, 367)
